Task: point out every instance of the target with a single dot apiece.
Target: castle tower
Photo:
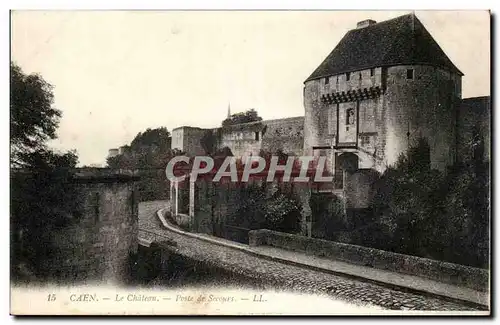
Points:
(384, 86)
(229, 110)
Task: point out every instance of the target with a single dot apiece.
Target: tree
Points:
(33, 120)
(148, 154)
(158, 138)
(148, 150)
(42, 197)
(426, 213)
(405, 201)
(244, 117)
(266, 207)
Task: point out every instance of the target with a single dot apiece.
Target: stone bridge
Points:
(291, 271)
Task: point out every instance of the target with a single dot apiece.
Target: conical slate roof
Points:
(398, 41)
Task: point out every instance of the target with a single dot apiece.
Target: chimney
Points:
(365, 23)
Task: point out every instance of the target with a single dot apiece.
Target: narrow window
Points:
(349, 116)
(327, 80)
(360, 76)
(409, 74)
(132, 201)
(95, 205)
(257, 135)
(337, 80)
(372, 72)
(348, 76)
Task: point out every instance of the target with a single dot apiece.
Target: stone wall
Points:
(474, 113)
(187, 139)
(315, 112)
(285, 134)
(359, 188)
(456, 274)
(421, 107)
(244, 139)
(97, 247)
(214, 206)
(152, 184)
(248, 139)
(177, 141)
(386, 125)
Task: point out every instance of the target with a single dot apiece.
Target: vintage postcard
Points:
(250, 162)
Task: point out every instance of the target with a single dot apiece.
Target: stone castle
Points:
(381, 89)
(246, 139)
(384, 86)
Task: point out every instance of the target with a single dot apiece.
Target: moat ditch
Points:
(158, 266)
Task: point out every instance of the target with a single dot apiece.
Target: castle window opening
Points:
(132, 201)
(372, 72)
(360, 76)
(257, 135)
(348, 76)
(95, 206)
(365, 140)
(349, 117)
(337, 80)
(409, 74)
(327, 80)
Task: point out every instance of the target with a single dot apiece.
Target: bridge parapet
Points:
(149, 238)
(461, 275)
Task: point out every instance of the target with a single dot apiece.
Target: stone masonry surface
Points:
(293, 278)
(461, 275)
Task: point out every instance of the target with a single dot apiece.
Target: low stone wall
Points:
(456, 274)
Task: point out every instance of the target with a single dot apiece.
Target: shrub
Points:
(422, 212)
(271, 208)
(329, 215)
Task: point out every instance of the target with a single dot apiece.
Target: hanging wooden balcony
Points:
(351, 95)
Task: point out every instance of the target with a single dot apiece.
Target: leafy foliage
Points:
(282, 213)
(42, 197)
(38, 193)
(148, 154)
(148, 150)
(244, 117)
(329, 215)
(157, 138)
(426, 213)
(267, 155)
(269, 208)
(464, 228)
(33, 120)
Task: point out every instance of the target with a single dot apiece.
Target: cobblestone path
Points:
(277, 275)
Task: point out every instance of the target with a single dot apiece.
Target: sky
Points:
(116, 73)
